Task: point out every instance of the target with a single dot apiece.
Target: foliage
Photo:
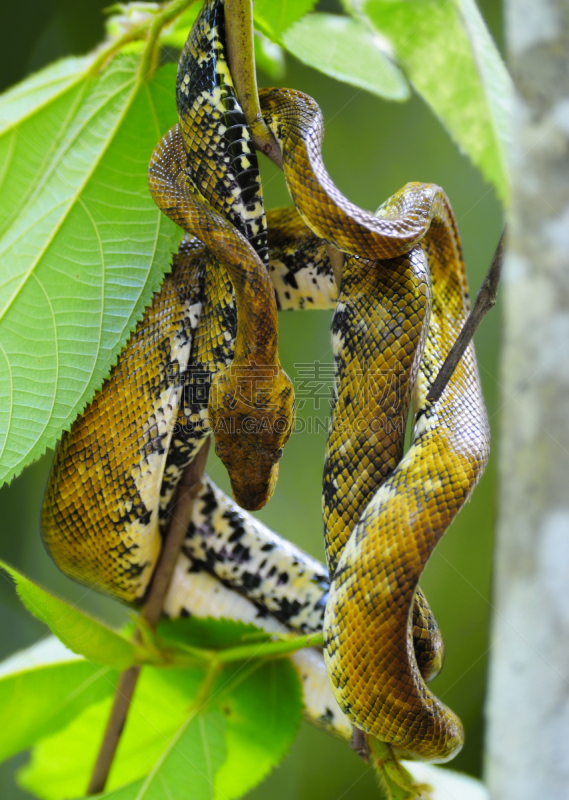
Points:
(229, 705)
(83, 249)
(452, 62)
(83, 246)
(216, 714)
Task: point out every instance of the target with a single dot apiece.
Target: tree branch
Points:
(485, 300)
(188, 489)
(239, 39)
(241, 56)
(359, 744)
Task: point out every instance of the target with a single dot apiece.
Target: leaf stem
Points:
(485, 300)
(397, 783)
(162, 18)
(270, 649)
(183, 655)
(181, 515)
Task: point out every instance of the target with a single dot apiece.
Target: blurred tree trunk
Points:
(528, 707)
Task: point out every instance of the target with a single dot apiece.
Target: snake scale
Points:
(204, 359)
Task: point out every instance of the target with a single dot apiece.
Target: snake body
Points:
(414, 502)
(204, 359)
(234, 566)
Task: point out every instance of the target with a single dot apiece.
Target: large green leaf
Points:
(175, 34)
(273, 18)
(269, 57)
(188, 767)
(42, 689)
(450, 58)
(209, 633)
(261, 707)
(37, 92)
(78, 631)
(82, 245)
(346, 49)
(263, 714)
(61, 764)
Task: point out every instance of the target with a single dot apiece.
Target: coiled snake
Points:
(204, 358)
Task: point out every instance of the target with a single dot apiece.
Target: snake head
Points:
(251, 413)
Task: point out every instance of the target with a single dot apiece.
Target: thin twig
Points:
(115, 724)
(485, 300)
(188, 489)
(360, 744)
(241, 57)
(337, 258)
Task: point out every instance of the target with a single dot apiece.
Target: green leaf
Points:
(33, 95)
(188, 767)
(261, 705)
(208, 632)
(42, 689)
(347, 50)
(233, 642)
(82, 244)
(78, 631)
(61, 764)
(262, 716)
(448, 55)
(269, 57)
(273, 18)
(175, 34)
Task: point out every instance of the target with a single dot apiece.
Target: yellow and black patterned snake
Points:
(204, 359)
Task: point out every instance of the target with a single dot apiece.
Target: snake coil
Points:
(205, 360)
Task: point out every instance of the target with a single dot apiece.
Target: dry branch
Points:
(151, 612)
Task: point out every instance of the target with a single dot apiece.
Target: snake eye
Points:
(279, 454)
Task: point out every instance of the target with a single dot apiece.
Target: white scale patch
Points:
(313, 290)
(253, 213)
(249, 556)
(425, 424)
(149, 474)
(148, 477)
(202, 595)
(147, 542)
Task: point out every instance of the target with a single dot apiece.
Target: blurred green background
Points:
(371, 149)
